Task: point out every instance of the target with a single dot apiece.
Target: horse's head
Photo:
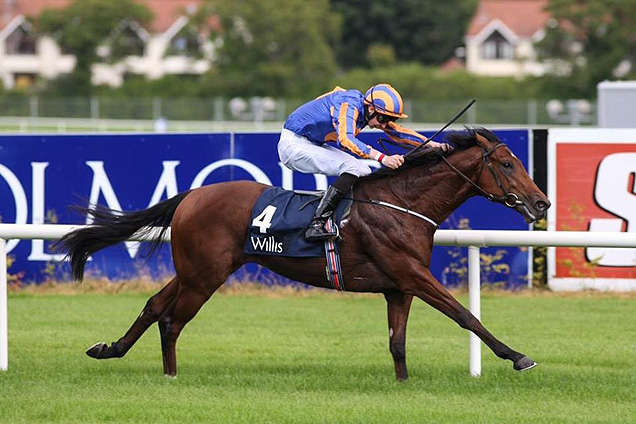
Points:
(501, 176)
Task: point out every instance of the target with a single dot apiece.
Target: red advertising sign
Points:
(593, 189)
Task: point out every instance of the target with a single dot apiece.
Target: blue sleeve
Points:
(404, 135)
(345, 117)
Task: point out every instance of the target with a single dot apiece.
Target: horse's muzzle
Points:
(535, 210)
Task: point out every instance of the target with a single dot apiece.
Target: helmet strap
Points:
(369, 115)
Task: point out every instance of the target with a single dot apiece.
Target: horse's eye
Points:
(507, 165)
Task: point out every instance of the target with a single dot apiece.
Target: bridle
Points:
(509, 199)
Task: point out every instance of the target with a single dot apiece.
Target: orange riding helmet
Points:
(385, 100)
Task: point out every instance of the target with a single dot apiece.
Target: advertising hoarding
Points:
(592, 188)
(40, 176)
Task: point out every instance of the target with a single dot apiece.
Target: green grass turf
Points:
(320, 359)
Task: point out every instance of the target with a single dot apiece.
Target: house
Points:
(501, 36)
(167, 46)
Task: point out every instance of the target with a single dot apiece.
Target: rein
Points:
(509, 199)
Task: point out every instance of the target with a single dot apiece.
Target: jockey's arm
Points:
(345, 129)
(392, 161)
(409, 137)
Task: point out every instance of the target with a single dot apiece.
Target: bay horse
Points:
(383, 250)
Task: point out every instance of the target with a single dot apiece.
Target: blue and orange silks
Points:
(338, 116)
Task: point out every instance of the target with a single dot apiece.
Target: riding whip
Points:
(455, 118)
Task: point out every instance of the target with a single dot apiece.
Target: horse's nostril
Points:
(541, 205)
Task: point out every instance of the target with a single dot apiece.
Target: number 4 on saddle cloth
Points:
(278, 224)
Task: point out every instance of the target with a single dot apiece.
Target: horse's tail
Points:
(111, 227)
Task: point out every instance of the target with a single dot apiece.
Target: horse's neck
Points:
(438, 191)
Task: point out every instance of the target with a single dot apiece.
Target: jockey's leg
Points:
(326, 207)
(300, 154)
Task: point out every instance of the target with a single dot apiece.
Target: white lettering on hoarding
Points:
(252, 169)
(167, 182)
(612, 193)
(37, 205)
(321, 182)
(19, 196)
(101, 184)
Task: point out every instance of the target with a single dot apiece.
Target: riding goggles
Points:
(382, 119)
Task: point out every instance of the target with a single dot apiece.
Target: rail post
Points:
(4, 327)
(474, 304)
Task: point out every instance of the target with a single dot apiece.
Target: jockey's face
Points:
(379, 122)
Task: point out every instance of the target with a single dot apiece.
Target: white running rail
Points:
(29, 232)
(474, 239)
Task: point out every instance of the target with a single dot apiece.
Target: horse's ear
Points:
(481, 140)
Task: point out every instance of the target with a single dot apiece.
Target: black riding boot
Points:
(326, 207)
(328, 203)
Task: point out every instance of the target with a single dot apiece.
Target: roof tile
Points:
(166, 12)
(524, 17)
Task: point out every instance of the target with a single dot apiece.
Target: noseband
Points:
(509, 199)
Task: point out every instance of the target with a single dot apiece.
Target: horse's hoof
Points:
(524, 364)
(96, 351)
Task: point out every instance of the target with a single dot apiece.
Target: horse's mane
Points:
(426, 157)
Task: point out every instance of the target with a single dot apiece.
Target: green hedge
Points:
(419, 82)
(411, 79)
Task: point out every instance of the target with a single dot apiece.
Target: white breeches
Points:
(300, 154)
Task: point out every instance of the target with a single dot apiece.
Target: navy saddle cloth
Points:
(279, 220)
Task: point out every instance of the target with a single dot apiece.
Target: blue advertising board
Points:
(40, 176)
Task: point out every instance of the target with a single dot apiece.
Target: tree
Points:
(273, 47)
(425, 31)
(84, 25)
(588, 42)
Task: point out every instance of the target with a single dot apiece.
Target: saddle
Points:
(279, 220)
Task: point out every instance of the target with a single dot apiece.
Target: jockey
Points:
(338, 116)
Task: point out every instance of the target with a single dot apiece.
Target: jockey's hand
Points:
(393, 161)
(443, 148)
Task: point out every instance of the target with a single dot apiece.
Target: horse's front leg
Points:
(398, 307)
(421, 283)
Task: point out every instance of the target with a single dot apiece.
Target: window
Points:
(489, 50)
(497, 47)
(185, 43)
(21, 41)
(126, 41)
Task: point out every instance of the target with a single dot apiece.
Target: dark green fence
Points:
(486, 112)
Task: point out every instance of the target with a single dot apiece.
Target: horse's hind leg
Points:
(398, 307)
(155, 307)
(433, 293)
(188, 302)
